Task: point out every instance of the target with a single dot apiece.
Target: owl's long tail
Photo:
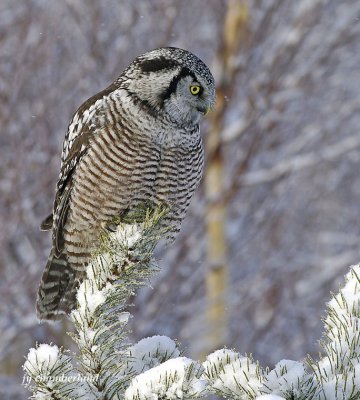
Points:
(57, 290)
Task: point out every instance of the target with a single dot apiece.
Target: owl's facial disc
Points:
(173, 82)
(188, 99)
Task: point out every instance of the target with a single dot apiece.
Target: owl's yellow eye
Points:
(195, 89)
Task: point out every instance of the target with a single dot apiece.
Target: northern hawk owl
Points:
(135, 143)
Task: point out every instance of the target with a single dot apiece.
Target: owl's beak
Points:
(204, 110)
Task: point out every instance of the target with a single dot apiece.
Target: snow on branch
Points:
(108, 367)
(231, 375)
(335, 376)
(337, 373)
(178, 378)
(51, 372)
(105, 363)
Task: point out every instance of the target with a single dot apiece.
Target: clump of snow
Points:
(90, 297)
(325, 366)
(338, 378)
(288, 377)
(178, 378)
(151, 352)
(41, 359)
(342, 323)
(345, 385)
(270, 397)
(230, 374)
(337, 373)
(128, 235)
(223, 356)
(124, 317)
(48, 370)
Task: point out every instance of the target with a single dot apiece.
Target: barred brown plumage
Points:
(133, 144)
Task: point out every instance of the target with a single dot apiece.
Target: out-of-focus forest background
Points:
(275, 223)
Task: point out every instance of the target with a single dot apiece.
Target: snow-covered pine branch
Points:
(337, 373)
(228, 374)
(107, 367)
(335, 376)
(50, 372)
(105, 362)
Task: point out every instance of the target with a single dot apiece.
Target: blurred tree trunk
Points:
(234, 33)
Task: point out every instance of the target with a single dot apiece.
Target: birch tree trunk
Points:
(234, 33)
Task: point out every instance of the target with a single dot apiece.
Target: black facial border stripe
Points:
(174, 82)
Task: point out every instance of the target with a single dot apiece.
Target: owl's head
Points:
(173, 82)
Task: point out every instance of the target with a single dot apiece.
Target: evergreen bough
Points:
(107, 367)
